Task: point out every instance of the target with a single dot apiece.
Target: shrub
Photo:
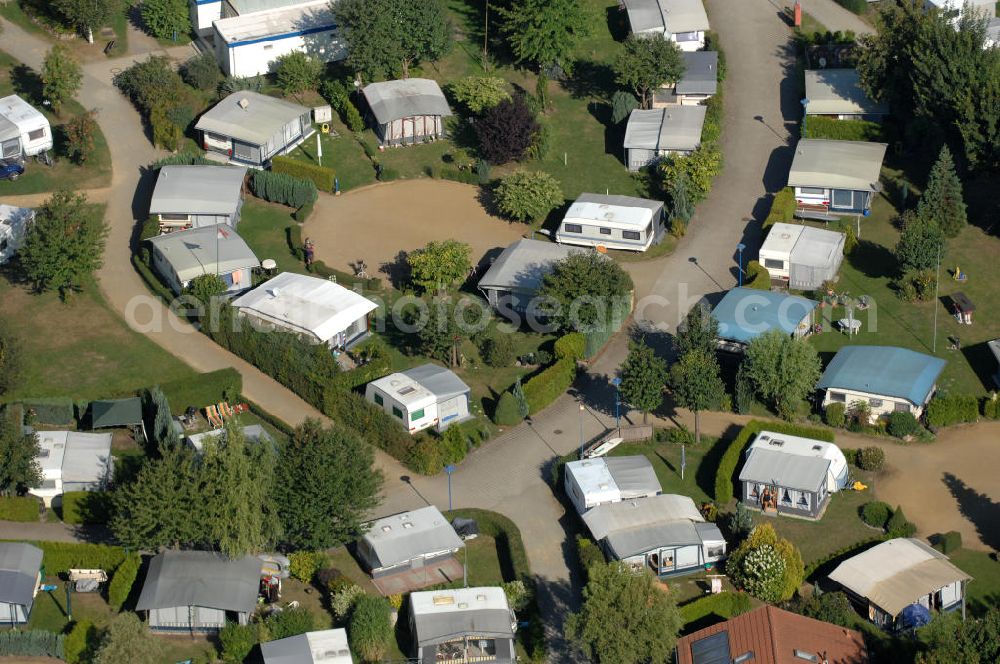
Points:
(506, 131)
(370, 629)
(757, 277)
(767, 566)
(122, 581)
(588, 552)
(181, 159)
(549, 384)
(282, 188)
(237, 641)
(949, 542)
(991, 407)
(699, 168)
(506, 414)
(782, 208)
(371, 422)
(835, 415)
(870, 458)
(60, 557)
(725, 605)
(842, 130)
(352, 118)
(305, 564)
(832, 607)
(518, 594)
(321, 176)
(79, 642)
(572, 345)
(528, 196)
(876, 513)
(498, 350)
(479, 93)
(58, 410)
(297, 72)
(31, 643)
(290, 622)
(902, 424)
(202, 72)
(342, 600)
(948, 409)
(15, 508)
(898, 525)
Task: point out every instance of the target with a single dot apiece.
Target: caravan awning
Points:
(115, 413)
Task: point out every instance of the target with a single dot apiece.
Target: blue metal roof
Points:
(745, 313)
(883, 370)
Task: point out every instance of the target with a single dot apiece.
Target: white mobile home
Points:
(248, 128)
(835, 177)
(409, 540)
(72, 461)
(515, 276)
(593, 482)
(197, 196)
(613, 222)
(36, 134)
(802, 257)
(20, 577)
(422, 397)
(407, 111)
(181, 256)
(463, 625)
(682, 21)
(10, 141)
(325, 647)
(837, 93)
(660, 132)
(13, 225)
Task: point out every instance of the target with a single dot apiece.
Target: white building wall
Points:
(388, 403)
(257, 57)
(888, 404)
(203, 12)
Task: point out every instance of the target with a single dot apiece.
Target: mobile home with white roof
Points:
(613, 222)
(36, 134)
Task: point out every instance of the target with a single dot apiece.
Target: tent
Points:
(913, 616)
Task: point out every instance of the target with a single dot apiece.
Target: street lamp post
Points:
(616, 381)
(805, 109)
(740, 247)
(449, 469)
(581, 430)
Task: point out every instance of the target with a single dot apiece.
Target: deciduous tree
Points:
(128, 641)
(479, 93)
(767, 566)
(80, 133)
(698, 332)
(506, 131)
(625, 618)
(202, 71)
(65, 244)
(543, 32)
(19, 451)
(528, 196)
(644, 376)
(61, 76)
(942, 203)
(440, 265)
(297, 72)
(166, 18)
(783, 369)
(696, 384)
(440, 335)
(645, 63)
(590, 291)
(88, 15)
(920, 244)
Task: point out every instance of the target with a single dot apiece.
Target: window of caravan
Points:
(397, 412)
(843, 198)
(815, 191)
(774, 263)
(605, 231)
(378, 399)
(416, 415)
(686, 36)
(37, 134)
(573, 228)
(649, 229)
(839, 397)
(631, 235)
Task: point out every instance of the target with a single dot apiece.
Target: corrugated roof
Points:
(897, 573)
(197, 190)
(324, 647)
(314, 305)
(671, 128)
(633, 541)
(745, 313)
(774, 635)
(443, 615)
(442, 383)
(405, 98)
(402, 537)
(640, 513)
(792, 471)
(302, 17)
(701, 73)
(884, 370)
(666, 15)
(19, 565)
(255, 124)
(524, 264)
(838, 91)
(836, 164)
(200, 578)
(206, 250)
(633, 475)
(115, 413)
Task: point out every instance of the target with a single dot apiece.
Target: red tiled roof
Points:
(774, 635)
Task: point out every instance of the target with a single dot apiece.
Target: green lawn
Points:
(698, 482)
(13, 11)
(983, 592)
(95, 173)
(343, 153)
(263, 225)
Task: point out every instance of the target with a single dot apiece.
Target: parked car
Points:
(10, 170)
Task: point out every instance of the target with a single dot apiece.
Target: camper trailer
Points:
(33, 127)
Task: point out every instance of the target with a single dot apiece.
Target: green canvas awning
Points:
(115, 413)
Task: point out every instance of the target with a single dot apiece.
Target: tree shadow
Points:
(617, 21)
(591, 79)
(397, 271)
(27, 84)
(873, 260)
(981, 359)
(979, 508)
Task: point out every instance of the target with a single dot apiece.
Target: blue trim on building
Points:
(208, 2)
(297, 33)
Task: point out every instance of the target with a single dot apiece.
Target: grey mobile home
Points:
(248, 128)
(19, 578)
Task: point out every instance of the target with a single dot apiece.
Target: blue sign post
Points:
(449, 469)
(616, 381)
(740, 247)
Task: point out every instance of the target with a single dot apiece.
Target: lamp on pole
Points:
(449, 469)
(581, 430)
(616, 381)
(740, 247)
(805, 109)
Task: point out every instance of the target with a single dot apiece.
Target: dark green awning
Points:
(115, 413)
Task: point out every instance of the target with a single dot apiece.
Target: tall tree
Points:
(65, 244)
(589, 291)
(696, 385)
(166, 18)
(920, 244)
(440, 335)
(440, 265)
(88, 15)
(19, 451)
(942, 202)
(645, 63)
(387, 37)
(506, 131)
(783, 369)
(128, 641)
(61, 76)
(625, 618)
(324, 486)
(644, 376)
(543, 32)
(767, 566)
(698, 332)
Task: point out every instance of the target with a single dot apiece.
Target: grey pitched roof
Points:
(701, 73)
(197, 190)
(625, 543)
(609, 518)
(670, 15)
(402, 537)
(838, 91)
(200, 578)
(794, 471)
(671, 128)
(323, 647)
(836, 164)
(115, 413)
(524, 264)
(19, 565)
(406, 98)
(442, 383)
(443, 615)
(255, 124)
(205, 250)
(633, 475)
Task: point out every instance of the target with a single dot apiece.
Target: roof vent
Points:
(745, 657)
(807, 656)
(43, 454)
(481, 598)
(386, 529)
(463, 605)
(439, 600)
(817, 448)
(274, 292)
(407, 524)
(776, 442)
(786, 236)
(59, 446)
(244, 103)
(602, 486)
(406, 390)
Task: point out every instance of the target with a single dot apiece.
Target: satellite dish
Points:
(822, 63)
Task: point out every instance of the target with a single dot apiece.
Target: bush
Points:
(898, 525)
(352, 118)
(290, 622)
(725, 605)
(842, 130)
(518, 594)
(870, 458)
(321, 176)
(588, 553)
(991, 407)
(342, 600)
(282, 188)
(734, 452)
(202, 72)
(371, 422)
(782, 208)
(572, 345)
(549, 384)
(60, 557)
(902, 424)
(835, 415)
(479, 93)
(506, 414)
(237, 641)
(832, 607)
(24, 509)
(305, 564)
(370, 629)
(948, 409)
(80, 641)
(528, 196)
(122, 581)
(31, 643)
(757, 277)
(948, 542)
(498, 350)
(875, 513)
(58, 410)
(506, 131)
(85, 507)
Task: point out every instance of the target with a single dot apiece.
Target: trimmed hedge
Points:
(947, 409)
(572, 345)
(282, 188)
(183, 159)
(321, 176)
(507, 413)
(60, 557)
(902, 424)
(870, 458)
(731, 457)
(835, 415)
(898, 525)
(588, 553)
(79, 641)
(876, 513)
(948, 542)
(371, 422)
(123, 580)
(303, 213)
(856, 6)
(549, 384)
(510, 546)
(991, 407)
(203, 389)
(757, 277)
(58, 410)
(842, 130)
(782, 208)
(823, 566)
(725, 605)
(23, 509)
(85, 507)
(31, 643)
(152, 282)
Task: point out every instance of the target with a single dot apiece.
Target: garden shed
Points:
(592, 482)
(513, 279)
(182, 256)
(463, 625)
(744, 314)
(421, 397)
(198, 591)
(613, 222)
(197, 196)
(13, 226)
(248, 128)
(20, 575)
(893, 575)
(36, 133)
(835, 177)
(72, 461)
(653, 134)
(407, 111)
(328, 646)
(837, 93)
(887, 378)
(802, 257)
(409, 540)
(682, 21)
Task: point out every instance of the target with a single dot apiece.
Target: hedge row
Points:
(842, 130)
(203, 389)
(123, 580)
(23, 509)
(60, 557)
(281, 188)
(757, 277)
(141, 265)
(85, 507)
(947, 409)
(371, 422)
(724, 476)
(183, 159)
(321, 176)
(549, 384)
(822, 566)
(510, 546)
(725, 605)
(57, 410)
(31, 643)
(782, 208)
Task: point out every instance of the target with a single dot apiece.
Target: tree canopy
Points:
(528, 196)
(767, 566)
(166, 18)
(297, 72)
(11, 358)
(949, 639)
(920, 244)
(645, 63)
(698, 332)
(543, 32)
(644, 376)
(19, 451)
(783, 369)
(587, 290)
(440, 265)
(625, 618)
(942, 203)
(478, 93)
(507, 130)
(61, 76)
(696, 384)
(88, 15)
(128, 641)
